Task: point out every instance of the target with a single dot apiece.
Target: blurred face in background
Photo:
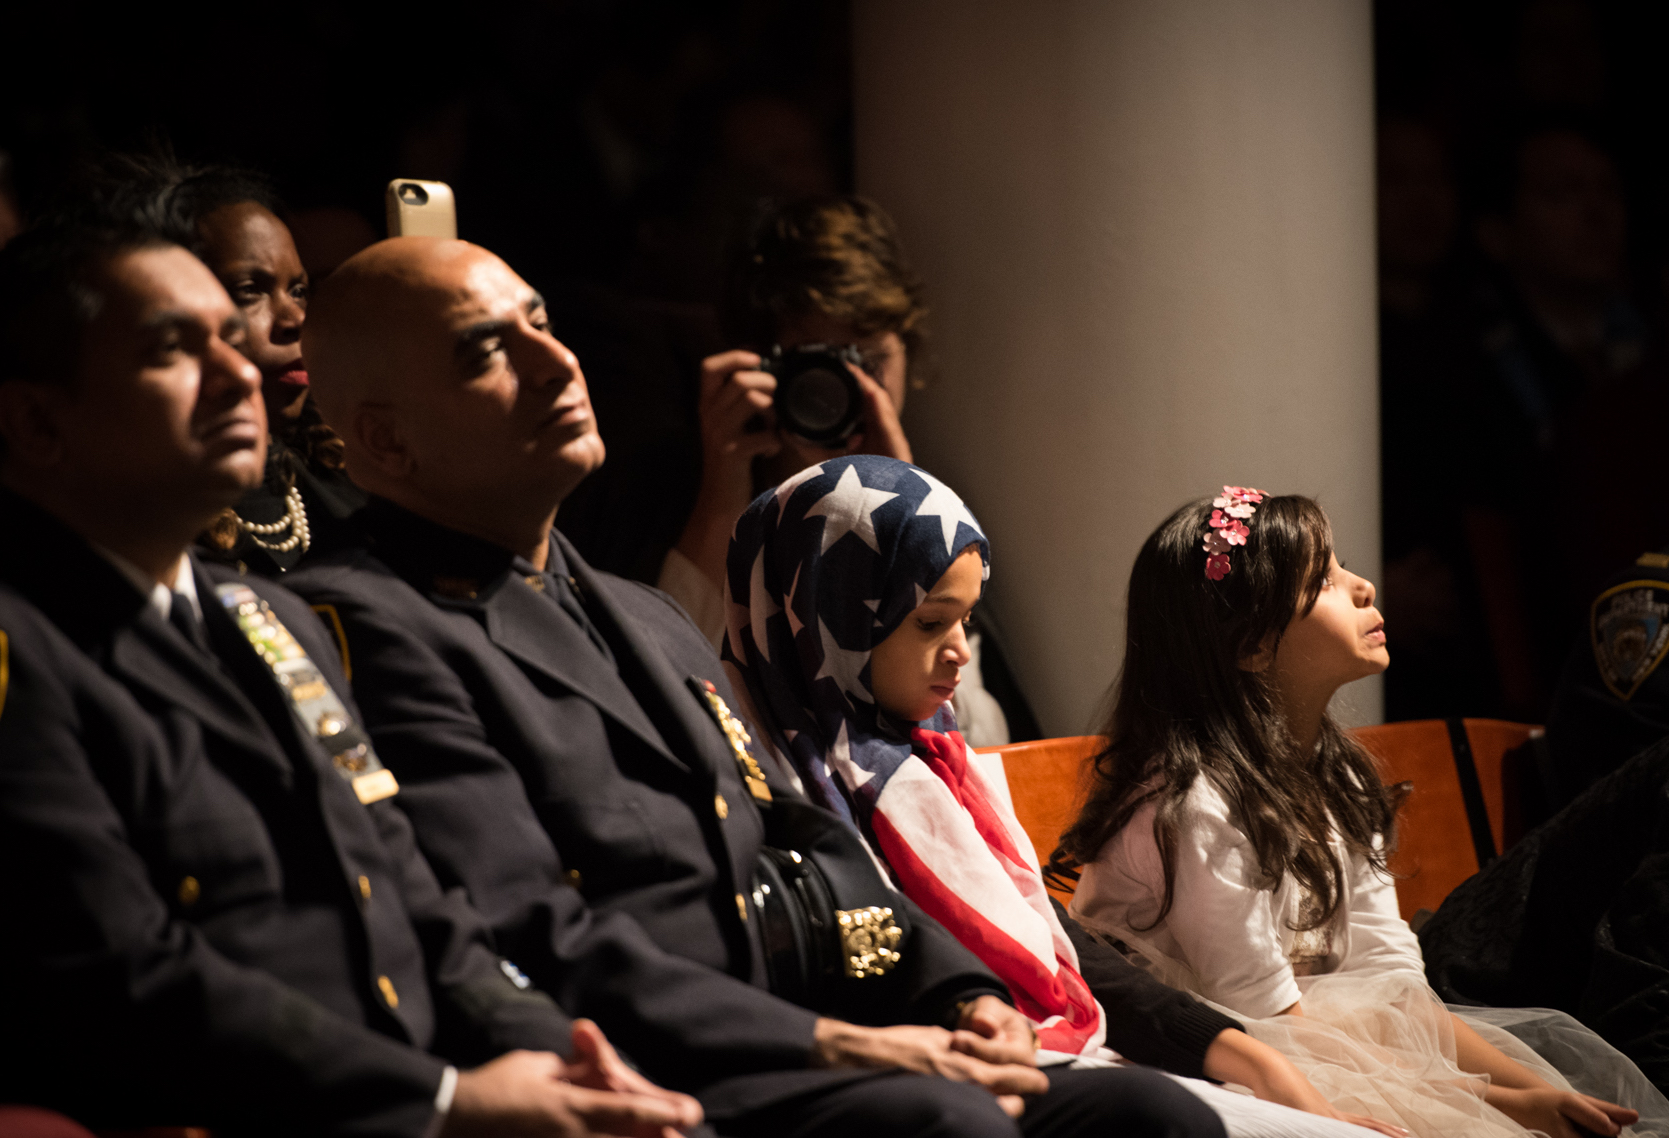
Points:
(1568, 223)
(1417, 206)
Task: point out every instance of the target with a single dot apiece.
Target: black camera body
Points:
(817, 398)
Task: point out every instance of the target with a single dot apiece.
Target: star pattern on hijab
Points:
(762, 607)
(943, 503)
(794, 621)
(844, 665)
(794, 482)
(850, 508)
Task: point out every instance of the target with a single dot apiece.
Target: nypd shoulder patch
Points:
(1629, 624)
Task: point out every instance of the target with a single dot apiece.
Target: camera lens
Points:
(816, 398)
(819, 400)
(413, 194)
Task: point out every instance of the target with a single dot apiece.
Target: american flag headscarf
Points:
(821, 570)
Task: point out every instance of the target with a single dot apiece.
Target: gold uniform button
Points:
(388, 993)
(721, 807)
(190, 890)
(535, 582)
(574, 878)
(742, 906)
(365, 887)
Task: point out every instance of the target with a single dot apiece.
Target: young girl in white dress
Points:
(1234, 842)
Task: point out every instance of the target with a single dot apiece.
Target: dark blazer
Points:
(205, 924)
(530, 762)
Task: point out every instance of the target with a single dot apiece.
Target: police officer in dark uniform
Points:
(216, 913)
(1574, 916)
(550, 724)
(1613, 696)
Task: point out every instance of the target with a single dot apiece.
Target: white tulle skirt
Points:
(1384, 1046)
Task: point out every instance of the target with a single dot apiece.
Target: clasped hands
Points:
(540, 1095)
(993, 1046)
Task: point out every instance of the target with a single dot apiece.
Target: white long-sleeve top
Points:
(1229, 936)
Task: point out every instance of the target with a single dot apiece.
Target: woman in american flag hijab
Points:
(823, 571)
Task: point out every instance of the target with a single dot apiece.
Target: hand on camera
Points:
(737, 425)
(882, 431)
(927, 1051)
(536, 1094)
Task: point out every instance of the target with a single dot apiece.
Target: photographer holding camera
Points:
(832, 315)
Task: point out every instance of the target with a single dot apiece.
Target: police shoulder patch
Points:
(1629, 624)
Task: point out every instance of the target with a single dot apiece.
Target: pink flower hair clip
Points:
(1227, 527)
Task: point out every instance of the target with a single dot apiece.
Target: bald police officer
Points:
(560, 731)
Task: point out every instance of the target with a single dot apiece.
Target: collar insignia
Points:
(457, 588)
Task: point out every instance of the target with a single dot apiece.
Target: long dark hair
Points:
(1183, 706)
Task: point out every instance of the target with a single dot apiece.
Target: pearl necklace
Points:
(294, 520)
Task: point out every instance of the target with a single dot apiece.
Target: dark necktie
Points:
(184, 619)
(567, 596)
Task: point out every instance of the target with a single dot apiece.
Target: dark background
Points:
(597, 140)
(608, 149)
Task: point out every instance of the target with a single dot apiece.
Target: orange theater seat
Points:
(1046, 781)
(1463, 808)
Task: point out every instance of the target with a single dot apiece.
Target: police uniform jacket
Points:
(1613, 695)
(205, 926)
(544, 732)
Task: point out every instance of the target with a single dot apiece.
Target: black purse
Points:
(827, 916)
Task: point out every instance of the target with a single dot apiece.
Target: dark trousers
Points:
(1120, 1102)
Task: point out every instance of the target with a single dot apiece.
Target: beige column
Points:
(1146, 228)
